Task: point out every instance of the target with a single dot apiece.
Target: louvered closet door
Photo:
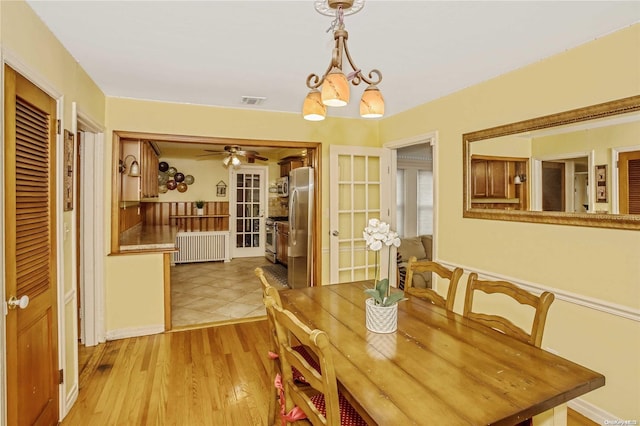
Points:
(32, 360)
(629, 177)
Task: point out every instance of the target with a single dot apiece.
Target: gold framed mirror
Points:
(579, 167)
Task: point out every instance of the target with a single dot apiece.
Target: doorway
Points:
(196, 148)
(553, 193)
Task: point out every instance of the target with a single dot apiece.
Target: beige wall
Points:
(582, 265)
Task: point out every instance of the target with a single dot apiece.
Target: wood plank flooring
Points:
(208, 376)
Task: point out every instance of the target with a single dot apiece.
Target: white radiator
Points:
(202, 246)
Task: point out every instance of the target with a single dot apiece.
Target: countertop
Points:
(149, 238)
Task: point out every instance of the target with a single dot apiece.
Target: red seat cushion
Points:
(348, 415)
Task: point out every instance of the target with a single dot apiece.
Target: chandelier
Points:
(335, 84)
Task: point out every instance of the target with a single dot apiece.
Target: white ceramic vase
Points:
(199, 212)
(381, 319)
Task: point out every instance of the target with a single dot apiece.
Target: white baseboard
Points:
(124, 333)
(70, 399)
(590, 411)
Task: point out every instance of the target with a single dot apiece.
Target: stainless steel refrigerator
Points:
(301, 189)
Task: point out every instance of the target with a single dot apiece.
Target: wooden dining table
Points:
(438, 368)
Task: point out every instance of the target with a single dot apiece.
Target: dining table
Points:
(438, 368)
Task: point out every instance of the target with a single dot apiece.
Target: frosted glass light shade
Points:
(335, 89)
(372, 103)
(134, 169)
(235, 161)
(313, 109)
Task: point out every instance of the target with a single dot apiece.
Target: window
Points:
(414, 188)
(425, 202)
(400, 202)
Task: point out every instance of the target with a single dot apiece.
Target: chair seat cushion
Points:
(348, 415)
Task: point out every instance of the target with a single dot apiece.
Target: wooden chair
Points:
(274, 367)
(324, 406)
(453, 276)
(540, 303)
(270, 295)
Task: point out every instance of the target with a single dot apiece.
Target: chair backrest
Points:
(266, 286)
(453, 276)
(323, 381)
(540, 303)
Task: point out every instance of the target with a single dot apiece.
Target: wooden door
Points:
(553, 194)
(30, 206)
(629, 182)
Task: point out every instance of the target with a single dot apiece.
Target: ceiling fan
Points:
(232, 154)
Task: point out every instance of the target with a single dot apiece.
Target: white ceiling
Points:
(215, 52)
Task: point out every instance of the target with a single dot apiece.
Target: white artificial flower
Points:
(378, 233)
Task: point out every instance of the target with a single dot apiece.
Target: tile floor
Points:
(209, 292)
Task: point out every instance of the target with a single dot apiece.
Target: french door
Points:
(359, 190)
(248, 198)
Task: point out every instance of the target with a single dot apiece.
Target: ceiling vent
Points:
(253, 100)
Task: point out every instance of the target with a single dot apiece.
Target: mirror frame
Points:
(598, 220)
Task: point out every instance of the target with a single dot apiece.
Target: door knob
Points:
(335, 233)
(21, 303)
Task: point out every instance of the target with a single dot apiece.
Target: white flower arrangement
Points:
(376, 235)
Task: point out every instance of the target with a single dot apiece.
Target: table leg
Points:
(554, 417)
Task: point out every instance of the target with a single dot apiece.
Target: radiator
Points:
(202, 247)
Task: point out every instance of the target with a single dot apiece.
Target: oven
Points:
(270, 240)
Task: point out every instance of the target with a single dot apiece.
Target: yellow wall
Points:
(30, 48)
(593, 264)
(206, 174)
(196, 120)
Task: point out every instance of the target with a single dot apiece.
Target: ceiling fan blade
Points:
(260, 157)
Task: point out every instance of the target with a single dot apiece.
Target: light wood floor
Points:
(209, 376)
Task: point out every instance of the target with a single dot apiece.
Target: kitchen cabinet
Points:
(145, 186)
(289, 163)
(492, 179)
(282, 245)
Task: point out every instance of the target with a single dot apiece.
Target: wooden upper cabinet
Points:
(492, 178)
(289, 163)
(136, 188)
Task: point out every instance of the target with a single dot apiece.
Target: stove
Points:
(271, 239)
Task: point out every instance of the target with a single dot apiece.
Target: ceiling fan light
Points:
(235, 161)
(371, 103)
(226, 161)
(313, 109)
(335, 89)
